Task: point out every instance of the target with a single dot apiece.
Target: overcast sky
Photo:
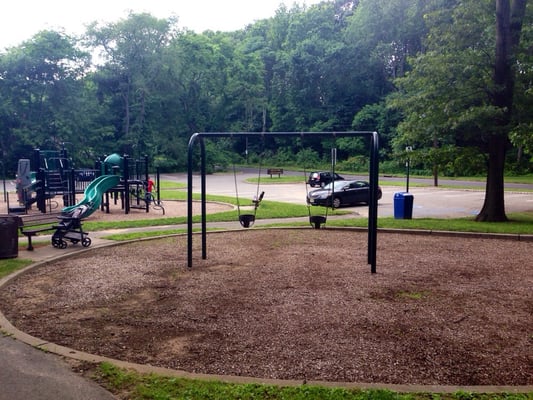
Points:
(21, 19)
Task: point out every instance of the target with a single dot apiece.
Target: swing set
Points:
(317, 221)
(247, 220)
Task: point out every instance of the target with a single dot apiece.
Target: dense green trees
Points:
(452, 78)
(40, 82)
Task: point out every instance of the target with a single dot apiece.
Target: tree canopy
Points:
(449, 78)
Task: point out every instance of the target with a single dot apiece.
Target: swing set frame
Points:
(201, 136)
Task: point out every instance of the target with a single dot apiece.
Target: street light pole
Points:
(408, 149)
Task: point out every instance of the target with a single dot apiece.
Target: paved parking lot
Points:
(428, 201)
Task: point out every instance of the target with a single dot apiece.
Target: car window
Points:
(338, 186)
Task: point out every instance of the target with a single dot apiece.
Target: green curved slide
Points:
(92, 197)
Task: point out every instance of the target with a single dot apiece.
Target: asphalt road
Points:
(428, 201)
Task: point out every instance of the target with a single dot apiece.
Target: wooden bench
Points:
(275, 171)
(31, 224)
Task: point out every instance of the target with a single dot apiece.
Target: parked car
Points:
(341, 193)
(322, 178)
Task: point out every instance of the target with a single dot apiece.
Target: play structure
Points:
(48, 174)
(200, 137)
(114, 177)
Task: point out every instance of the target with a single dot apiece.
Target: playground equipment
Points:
(317, 221)
(372, 204)
(93, 194)
(133, 188)
(247, 219)
(44, 176)
(48, 174)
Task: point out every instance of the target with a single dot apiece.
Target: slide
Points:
(92, 196)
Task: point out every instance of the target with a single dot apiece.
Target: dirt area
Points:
(295, 304)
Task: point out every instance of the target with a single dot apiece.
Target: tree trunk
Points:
(509, 17)
(493, 209)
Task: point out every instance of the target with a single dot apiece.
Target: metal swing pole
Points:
(373, 206)
(190, 199)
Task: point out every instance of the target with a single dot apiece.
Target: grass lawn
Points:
(134, 386)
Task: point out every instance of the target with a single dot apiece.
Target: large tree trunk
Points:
(493, 209)
(509, 17)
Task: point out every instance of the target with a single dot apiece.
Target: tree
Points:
(39, 85)
(460, 90)
(132, 51)
(509, 19)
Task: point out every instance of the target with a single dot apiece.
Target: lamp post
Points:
(6, 195)
(408, 149)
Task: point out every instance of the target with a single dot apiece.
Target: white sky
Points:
(20, 20)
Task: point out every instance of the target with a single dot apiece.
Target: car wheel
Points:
(336, 202)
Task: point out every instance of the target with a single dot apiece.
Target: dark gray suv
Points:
(322, 178)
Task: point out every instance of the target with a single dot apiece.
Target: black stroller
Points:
(69, 228)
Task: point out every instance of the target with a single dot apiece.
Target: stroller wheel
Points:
(86, 242)
(62, 244)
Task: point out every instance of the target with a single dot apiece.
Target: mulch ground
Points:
(295, 304)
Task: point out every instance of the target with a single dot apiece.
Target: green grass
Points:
(267, 210)
(520, 223)
(171, 185)
(135, 386)
(10, 265)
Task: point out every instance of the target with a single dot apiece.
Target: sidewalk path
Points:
(30, 374)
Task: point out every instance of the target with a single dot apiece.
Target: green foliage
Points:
(307, 158)
(39, 86)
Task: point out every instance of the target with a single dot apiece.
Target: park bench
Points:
(31, 224)
(275, 171)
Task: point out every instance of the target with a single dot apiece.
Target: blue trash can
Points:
(403, 205)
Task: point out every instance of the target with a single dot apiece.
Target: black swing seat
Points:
(246, 220)
(317, 221)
